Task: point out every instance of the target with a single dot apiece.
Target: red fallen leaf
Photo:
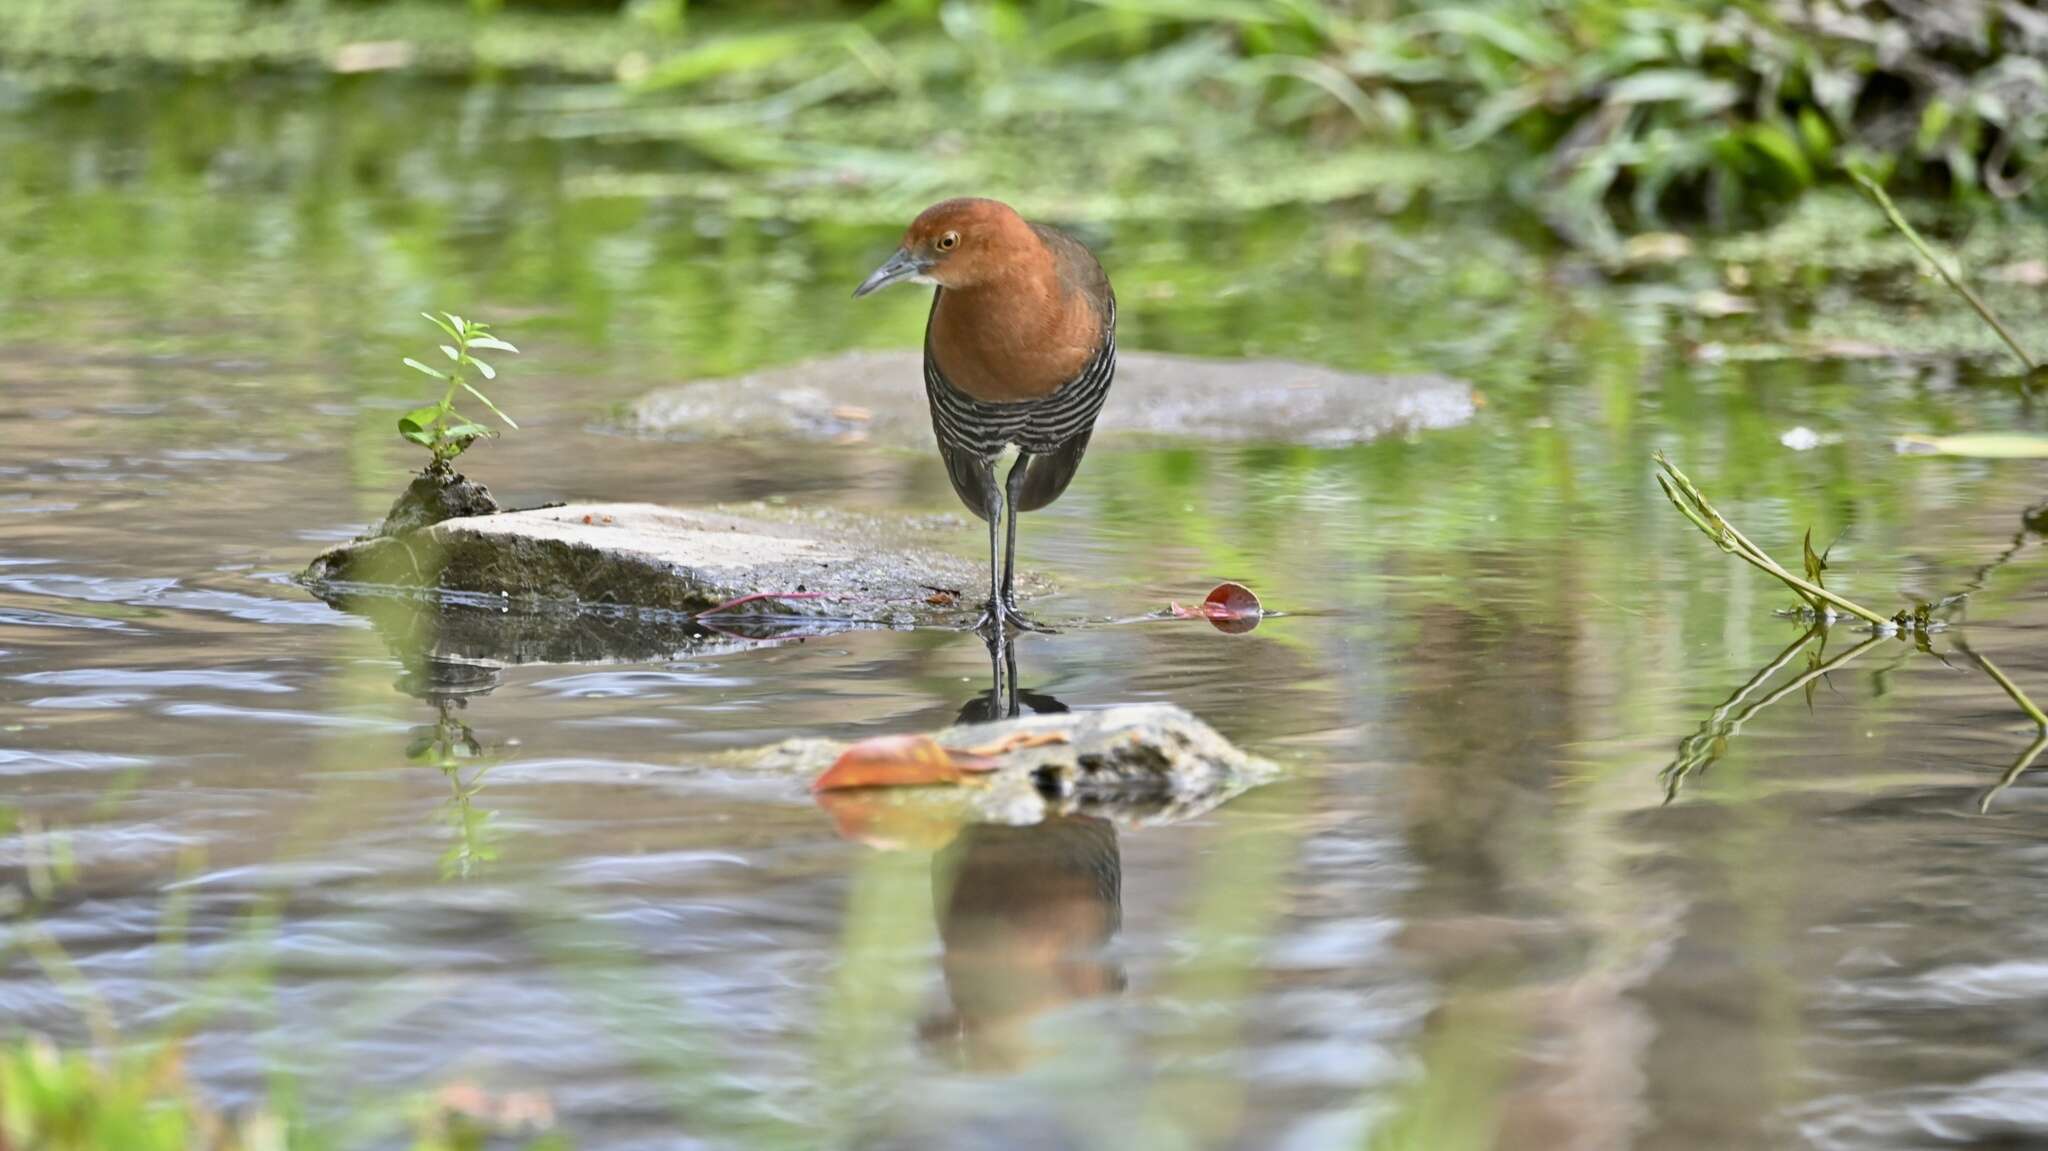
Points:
(900, 761)
(730, 604)
(1231, 607)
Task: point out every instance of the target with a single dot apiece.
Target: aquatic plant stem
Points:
(2012, 689)
(2033, 750)
(1954, 279)
(1687, 498)
(1699, 750)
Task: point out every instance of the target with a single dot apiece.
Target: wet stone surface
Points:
(878, 397)
(1138, 764)
(829, 565)
(431, 498)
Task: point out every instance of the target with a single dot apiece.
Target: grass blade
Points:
(1954, 279)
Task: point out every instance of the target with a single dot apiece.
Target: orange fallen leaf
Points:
(900, 761)
(872, 817)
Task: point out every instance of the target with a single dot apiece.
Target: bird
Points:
(1026, 917)
(1019, 352)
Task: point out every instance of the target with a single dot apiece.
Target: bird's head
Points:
(956, 244)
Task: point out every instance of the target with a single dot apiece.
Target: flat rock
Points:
(878, 397)
(1138, 763)
(668, 560)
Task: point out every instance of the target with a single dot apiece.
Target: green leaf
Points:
(1527, 42)
(1773, 141)
(1701, 95)
(1814, 133)
(492, 342)
(469, 432)
(451, 353)
(1815, 564)
(1934, 121)
(420, 367)
(438, 322)
(490, 373)
(417, 425)
(460, 327)
(487, 403)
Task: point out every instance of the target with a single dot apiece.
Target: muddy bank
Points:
(823, 565)
(878, 397)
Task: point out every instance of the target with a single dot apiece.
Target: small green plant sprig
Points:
(438, 427)
(1820, 600)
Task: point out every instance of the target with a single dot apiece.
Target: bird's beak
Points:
(898, 267)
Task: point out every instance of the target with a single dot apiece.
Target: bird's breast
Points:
(1002, 354)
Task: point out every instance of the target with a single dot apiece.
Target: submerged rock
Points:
(1139, 764)
(877, 397)
(433, 497)
(643, 556)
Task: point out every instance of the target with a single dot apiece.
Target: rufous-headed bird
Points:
(1019, 350)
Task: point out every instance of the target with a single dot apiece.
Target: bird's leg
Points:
(991, 622)
(1015, 489)
(1002, 662)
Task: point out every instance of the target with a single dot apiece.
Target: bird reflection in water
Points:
(1026, 914)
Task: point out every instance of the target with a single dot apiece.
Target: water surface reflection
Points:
(1472, 915)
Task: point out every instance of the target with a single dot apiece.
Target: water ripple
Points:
(2006, 1109)
(1965, 984)
(629, 684)
(28, 760)
(250, 681)
(25, 617)
(268, 715)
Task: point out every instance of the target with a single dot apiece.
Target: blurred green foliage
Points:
(140, 1099)
(1592, 112)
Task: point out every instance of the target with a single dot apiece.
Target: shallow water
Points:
(1467, 917)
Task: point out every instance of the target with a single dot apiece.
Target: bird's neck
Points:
(1016, 336)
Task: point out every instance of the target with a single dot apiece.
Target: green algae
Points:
(1850, 286)
(1841, 231)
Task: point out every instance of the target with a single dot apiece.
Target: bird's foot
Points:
(997, 618)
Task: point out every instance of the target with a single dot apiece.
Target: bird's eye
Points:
(949, 241)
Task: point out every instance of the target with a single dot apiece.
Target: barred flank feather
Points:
(981, 430)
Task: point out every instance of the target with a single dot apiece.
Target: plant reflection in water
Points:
(449, 744)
